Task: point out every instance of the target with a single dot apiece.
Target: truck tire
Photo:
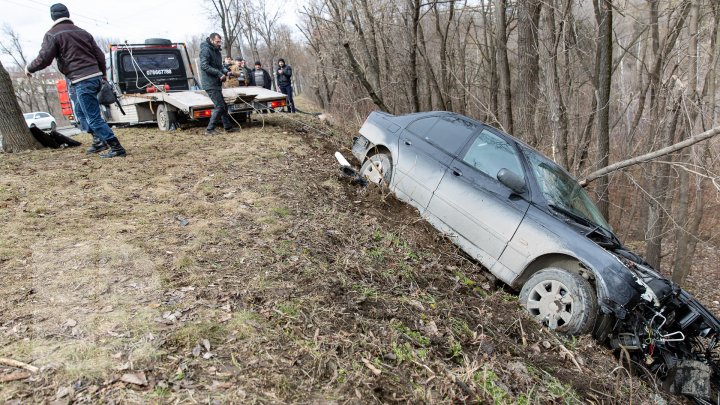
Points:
(158, 41)
(165, 117)
(561, 300)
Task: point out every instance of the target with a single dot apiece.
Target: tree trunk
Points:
(14, 133)
(556, 104)
(603, 14)
(527, 89)
(506, 97)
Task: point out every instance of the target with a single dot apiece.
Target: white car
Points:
(41, 120)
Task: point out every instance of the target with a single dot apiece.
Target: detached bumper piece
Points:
(347, 170)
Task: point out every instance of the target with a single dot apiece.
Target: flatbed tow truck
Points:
(155, 83)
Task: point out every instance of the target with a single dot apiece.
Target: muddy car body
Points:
(529, 223)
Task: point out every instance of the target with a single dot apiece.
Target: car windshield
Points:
(28, 116)
(561, 190)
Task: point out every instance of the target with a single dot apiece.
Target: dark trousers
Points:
(220, 110)
(287, 90)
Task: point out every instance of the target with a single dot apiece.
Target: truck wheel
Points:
(377, 168)
(165, 117)
(563, 301)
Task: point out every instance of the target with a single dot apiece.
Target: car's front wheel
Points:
(53, 126)
(561, 300)
(378, 168)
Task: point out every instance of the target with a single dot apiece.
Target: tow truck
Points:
(155, 83)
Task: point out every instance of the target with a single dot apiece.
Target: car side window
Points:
(489, 153)
(422, 126)
(44, 115)
(38, 115)
(451, 133)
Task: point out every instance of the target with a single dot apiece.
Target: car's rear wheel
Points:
(165, 117)
(561, 300)
(377, 168)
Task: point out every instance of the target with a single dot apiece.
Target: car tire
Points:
(165, 117)
(561, 300)
(53, 126)
(378, 168)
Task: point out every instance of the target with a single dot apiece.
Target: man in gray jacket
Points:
(83, 64)
(213, 74)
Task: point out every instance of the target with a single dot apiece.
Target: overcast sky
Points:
(131, 20)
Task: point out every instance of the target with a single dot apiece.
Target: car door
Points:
(426, 148)
(44, 121)
(477, 208)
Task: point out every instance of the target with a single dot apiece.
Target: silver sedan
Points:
(530, 223)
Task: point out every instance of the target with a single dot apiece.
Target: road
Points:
(69, 130)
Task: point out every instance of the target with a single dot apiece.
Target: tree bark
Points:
(556, 105)
(603, 14)
(505, 93)
(14, 133)
(527, 89)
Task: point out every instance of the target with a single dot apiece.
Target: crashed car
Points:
(531, 224)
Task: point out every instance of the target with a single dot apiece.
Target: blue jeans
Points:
(86, 93)
(79, 115)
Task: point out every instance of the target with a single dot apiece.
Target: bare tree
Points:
(14, 133)
(227, 13)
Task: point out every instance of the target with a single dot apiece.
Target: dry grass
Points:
(286, 284)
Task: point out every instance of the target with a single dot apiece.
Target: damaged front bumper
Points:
(672, 335)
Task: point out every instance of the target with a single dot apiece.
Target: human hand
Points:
(223, 78)
(28, 74)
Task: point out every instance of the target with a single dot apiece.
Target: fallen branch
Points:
(19, 375)
(18, 364)
(650, 156)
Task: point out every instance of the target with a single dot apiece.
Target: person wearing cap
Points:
(260, 77)
(83, 64)
(283, 76)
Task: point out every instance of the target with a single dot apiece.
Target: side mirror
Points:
(512, 180)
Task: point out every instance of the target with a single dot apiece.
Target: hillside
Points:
(243, 268)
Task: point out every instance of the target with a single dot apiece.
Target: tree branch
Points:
(650, 156)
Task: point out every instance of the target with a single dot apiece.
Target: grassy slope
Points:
(286, 284)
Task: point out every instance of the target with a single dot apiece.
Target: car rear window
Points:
(151, 64)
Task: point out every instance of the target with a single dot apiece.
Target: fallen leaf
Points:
(70, 323)
(123, 367)
(106, 309)
(154, 305)
(134, 378)
(221, 385)
(117, 355)
(208, 355)
(206, 343)
(62, 392)
(196, 350)
(225, 317)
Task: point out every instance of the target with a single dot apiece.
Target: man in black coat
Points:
(83, 64)
(213, 74)
(283, 76)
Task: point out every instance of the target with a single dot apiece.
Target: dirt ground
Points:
(244, 268)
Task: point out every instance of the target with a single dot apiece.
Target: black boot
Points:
(97, 146)
(116, 150)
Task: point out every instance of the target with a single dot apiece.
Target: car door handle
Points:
(456, 171)
(407, 142)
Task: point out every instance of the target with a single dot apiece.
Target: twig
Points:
(20, 375)
(18, 364)
(565, 349)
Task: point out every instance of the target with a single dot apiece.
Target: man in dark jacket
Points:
(213, 74)
(260, 77)
(83, 64)
(284, 73)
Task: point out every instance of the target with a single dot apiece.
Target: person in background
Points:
(232, 80)
(243, 72)
(261, 77)
(83, 64)
(213, 74)
(283, 76)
